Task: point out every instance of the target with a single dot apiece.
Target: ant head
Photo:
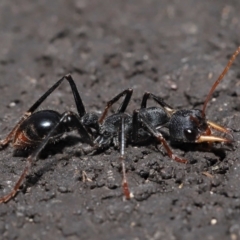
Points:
(187, 126)
(191, 125)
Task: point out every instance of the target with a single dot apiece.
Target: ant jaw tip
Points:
(210, 138)
(229, 129)
(229, 141)
(230, 133)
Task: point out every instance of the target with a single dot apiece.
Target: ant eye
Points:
(190, 134)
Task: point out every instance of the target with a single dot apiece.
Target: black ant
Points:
(185, 126)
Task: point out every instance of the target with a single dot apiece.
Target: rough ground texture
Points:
(175, 49)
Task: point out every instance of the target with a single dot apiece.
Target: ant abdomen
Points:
(36, 127)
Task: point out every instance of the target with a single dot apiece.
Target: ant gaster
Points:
(185, 126)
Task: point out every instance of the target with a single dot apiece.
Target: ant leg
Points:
(75, 119)
(128, 94)
(26, 170)
(122, 159)
(157, 135)
(76, 122)
(77, 98)
(158, 100)
(8, 138)
(135, 126)
(78, 101)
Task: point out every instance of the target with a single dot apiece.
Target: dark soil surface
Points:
(175, 49)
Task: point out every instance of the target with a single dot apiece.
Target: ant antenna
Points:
(230, 62)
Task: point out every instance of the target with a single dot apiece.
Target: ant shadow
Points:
(202, 147)
(220, 152)
(51, 149)
(69, 141)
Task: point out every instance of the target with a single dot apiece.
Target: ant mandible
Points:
(185, 126)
